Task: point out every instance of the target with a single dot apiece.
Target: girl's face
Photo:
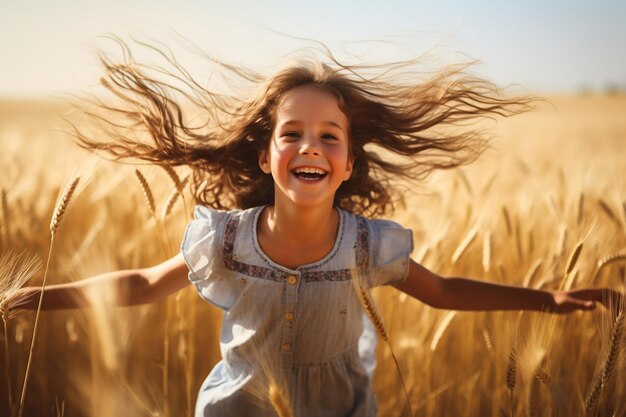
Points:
(308, 155)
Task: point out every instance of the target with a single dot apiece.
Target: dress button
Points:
(289, 316)
(291, 279)
(286, 347)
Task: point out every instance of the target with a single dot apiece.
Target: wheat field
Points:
(552, 184)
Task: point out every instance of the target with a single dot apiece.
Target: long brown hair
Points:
(400, 126)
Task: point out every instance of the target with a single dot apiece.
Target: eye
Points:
(291, 134)
(329, 136)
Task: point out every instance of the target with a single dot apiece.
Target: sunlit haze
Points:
(556, 46)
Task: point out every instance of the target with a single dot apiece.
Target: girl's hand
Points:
(586, 299)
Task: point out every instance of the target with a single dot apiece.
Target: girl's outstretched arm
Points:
(130, 287)
(468, 294)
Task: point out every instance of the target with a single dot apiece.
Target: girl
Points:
(295, 170)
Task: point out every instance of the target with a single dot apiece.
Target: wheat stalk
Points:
(518, 242)
(487, 252)
(609, 364)
(464, 244)
(441, 329)
(59, 212)
(371, 310)
(581, 208)
(532, 272)
(531, 241)
(6, 235)
(507, 220)
(63, 204)
(534, 399)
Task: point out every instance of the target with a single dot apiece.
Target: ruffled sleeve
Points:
(202, 250)
(392, 245)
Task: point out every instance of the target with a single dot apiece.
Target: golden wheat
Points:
(581, 208)
(471, 235)
(567, 281)
(176, 193)
(59, 212)
(372, 312)
(5, 235)
(14, 273)
(608, 365)
(174, 177)
(511, 375)
(608, 211)
(450, 387)
(607, 261)
(147, 191)
(486, 252)
(507, 220)
(63, 204)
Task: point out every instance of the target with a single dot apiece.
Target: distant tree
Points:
(612, 88)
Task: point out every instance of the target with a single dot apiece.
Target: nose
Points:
(309, 145)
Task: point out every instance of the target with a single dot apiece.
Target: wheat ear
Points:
(581, 208)
(372, 312)
(180, 186)
(571, 263)
(608, 211)
(511, 375)
(609, 364)
(147, 192)
(6, 236)
(178, 183)
(174, 197)
(61, 208)
(149, 196)
(278, 401)
(605, 262)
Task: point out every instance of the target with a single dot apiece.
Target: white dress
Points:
(298, 329)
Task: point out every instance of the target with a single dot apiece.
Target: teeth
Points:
(310, 170)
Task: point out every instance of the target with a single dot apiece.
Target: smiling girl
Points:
(288, 183)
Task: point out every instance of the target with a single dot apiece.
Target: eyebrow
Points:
(328, 122)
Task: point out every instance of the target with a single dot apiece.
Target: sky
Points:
(47, 47)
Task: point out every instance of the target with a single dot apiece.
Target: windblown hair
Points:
(401, 127)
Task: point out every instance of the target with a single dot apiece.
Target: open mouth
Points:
(309, 173)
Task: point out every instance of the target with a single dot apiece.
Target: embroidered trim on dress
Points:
(361, 253)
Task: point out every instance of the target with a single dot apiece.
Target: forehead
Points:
(310, 104)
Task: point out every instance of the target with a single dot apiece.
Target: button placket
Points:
(292, 285)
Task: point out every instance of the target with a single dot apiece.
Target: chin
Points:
(311, 201)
